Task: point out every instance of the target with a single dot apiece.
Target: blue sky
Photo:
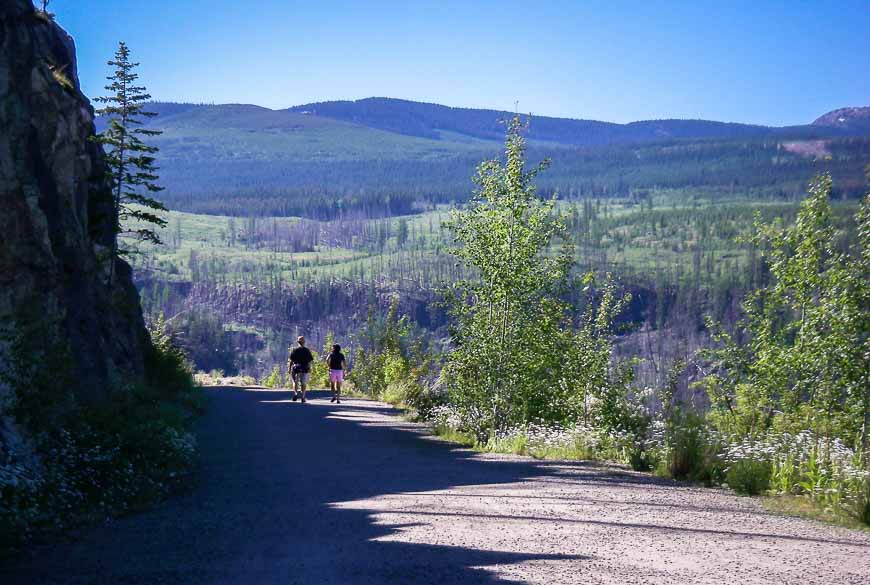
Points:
(760, 62)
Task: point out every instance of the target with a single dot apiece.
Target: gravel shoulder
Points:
(327, 494)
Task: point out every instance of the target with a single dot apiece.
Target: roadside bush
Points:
(865, 509)
(790, 387)
(91, 463)
(169, 374)
(368, 373)
(275, 378)
(749, 476)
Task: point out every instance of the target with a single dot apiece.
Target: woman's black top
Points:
(335, 360)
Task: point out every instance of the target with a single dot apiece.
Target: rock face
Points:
(56, 210)
(852, 118)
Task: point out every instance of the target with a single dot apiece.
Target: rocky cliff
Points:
(56, 213)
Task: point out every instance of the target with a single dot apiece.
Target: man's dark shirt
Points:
(303, 357)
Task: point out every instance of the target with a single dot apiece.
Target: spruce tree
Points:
(130, 162)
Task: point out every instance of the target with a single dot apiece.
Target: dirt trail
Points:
(328, 494)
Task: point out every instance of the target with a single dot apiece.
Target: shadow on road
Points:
(291, 493)
(265, 508)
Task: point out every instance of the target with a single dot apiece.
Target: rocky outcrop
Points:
(853, 118)
(55, 210)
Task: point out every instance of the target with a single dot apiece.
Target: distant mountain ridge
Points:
(384, 156)
(437, 122)
(432, 120)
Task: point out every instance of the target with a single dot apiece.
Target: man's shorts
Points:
(336, 375)
(302, 378)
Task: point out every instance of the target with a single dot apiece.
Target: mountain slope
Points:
(855, 119)
(238, 132)
(431, 120)
(389, 156)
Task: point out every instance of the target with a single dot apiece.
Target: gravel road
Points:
(327, 494)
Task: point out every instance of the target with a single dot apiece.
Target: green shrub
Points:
(319, 372)
(123, 454)
(692, 453)
(396, 394)
(168, 370)
(865, 511)
(368, 373)
(749, 476)
(274, 379)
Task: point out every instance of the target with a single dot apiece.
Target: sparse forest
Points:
(611, 328)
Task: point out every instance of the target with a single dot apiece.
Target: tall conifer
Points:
(131, 163)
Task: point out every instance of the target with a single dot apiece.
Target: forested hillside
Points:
(246, 160)
(432, 120)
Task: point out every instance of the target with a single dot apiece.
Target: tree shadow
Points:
(267, 507)
(325, 493)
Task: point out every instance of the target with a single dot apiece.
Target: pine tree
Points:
(131, 163)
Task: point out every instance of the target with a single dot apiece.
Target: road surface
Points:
(350, 494)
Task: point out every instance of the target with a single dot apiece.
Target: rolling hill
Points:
(381, 157)
(432, 120)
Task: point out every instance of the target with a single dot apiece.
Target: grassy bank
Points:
(80, 464)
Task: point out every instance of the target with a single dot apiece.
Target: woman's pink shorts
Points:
(336, 375)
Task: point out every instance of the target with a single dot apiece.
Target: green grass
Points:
(243, 132)
(453, 436)
(629, 238)
(803, 507)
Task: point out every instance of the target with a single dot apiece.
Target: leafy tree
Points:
(807, 360)
(509, 316)
(131, 163)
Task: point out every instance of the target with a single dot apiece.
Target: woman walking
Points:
(337, 368)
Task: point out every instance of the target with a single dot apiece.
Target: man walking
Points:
(300, 368)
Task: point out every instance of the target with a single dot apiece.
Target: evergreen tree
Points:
(131, 163)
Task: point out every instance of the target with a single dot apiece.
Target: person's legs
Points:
(334, 384)
(295, 386)
(335, 379)
(304, 383)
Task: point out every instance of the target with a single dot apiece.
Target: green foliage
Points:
(518, 356)
(394, 364)
(41, 371)
(865, 509)
(804, 371)
(113, 457)
(132, 166)
(507, 316)
(383, 358)
(807, 361)
(749, 477)
(687, 451)
(319, 368)
(275, 379)
(168, 368)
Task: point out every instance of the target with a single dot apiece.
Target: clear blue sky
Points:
(766, 62)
